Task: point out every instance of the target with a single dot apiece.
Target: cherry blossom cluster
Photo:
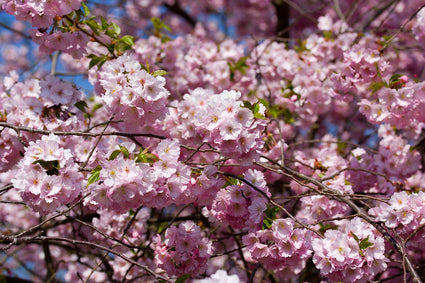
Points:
(404, 213)
(73, 43)
(155, 180)
(199, 138)
(219, 120)
(396, 159)
(42, 13)
(239, 205)
(354, 252)
(282, 248)
(183, 250)
(193, 61)
(47, 176)
(321, 162)
(400, 105)
(45, 103)
(129, 91)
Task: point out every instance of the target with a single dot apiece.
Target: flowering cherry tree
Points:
(212, 141)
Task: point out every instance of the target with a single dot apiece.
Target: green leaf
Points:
(81, 105)
(116, 28)
(162, 226)
(105, 24)
(395, 81)
(114, 154)
(328, 34)
(326, 226)
(264, 102)
(355, 237)
(230, 181)
(183, 278)
(260, 116)
(375, 86)
(267, 223)
(364, 244)
(124, 151)
(111, 48)
(240, 66)
(96, 107)
(256, 108)
(128, 39)
(159, 73)
(52, 167)
(247, 104)
(86, 9)
(158, 24)
(93, 25)
(270, 216)
(94, 177)
(146, 158)
(271, 212)
(96, 60)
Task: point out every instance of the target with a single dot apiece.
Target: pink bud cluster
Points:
(354, 252)
(240, 206)
(42, 191)
(130, 92)
(183, 250)
(40, 13)
(282, 248)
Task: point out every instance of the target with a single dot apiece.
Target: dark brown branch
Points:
(178, 10)
(83, 134)
(282, 13)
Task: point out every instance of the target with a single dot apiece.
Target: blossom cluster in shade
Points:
(282, 248)
(239, 205)
(183, 250)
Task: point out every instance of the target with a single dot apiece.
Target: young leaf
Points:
(94, 177)
(355, 237)
(81, 105)
(128, 40)
(159, 73)
(86, 9)
(364, 244)
(114, 154)
(183, 278)
(230, 181)
(124, 151)
(162, 227)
